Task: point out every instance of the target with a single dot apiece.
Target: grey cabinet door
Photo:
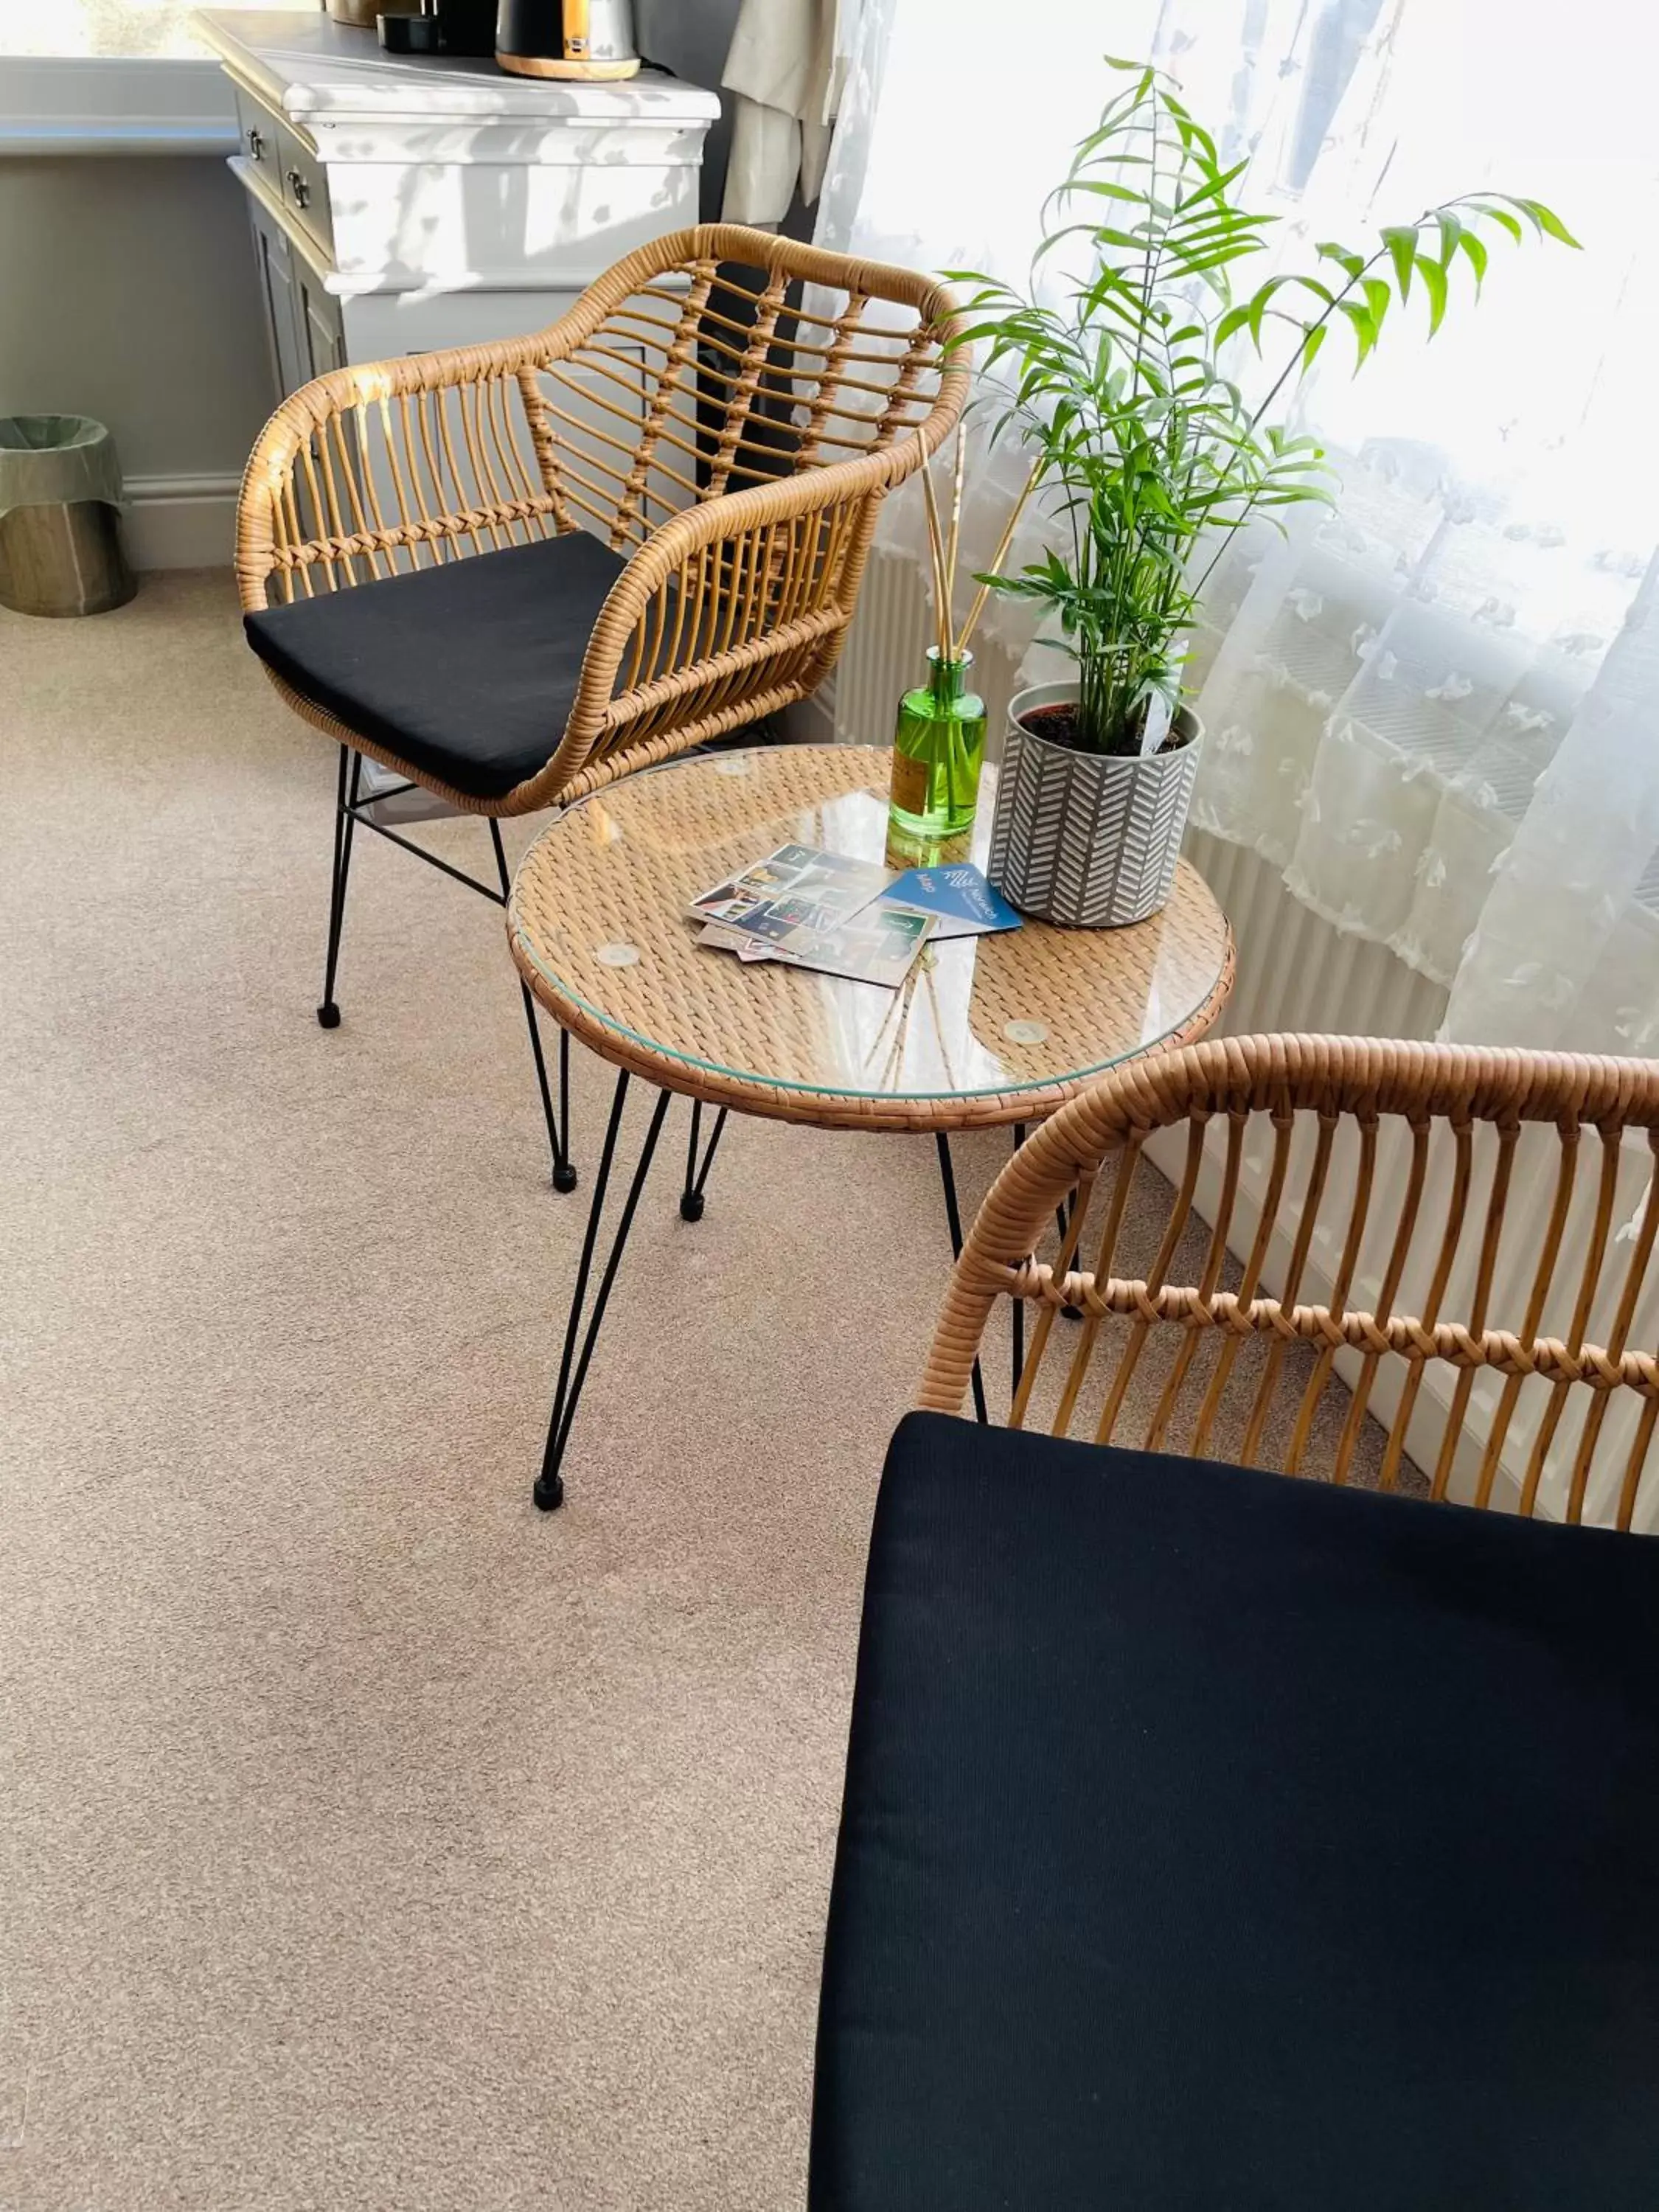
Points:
(276, 262)
(318, 321)
(304, 327)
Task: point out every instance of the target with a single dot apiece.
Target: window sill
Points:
(112, 105)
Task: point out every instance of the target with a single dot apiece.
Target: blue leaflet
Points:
(959, 896)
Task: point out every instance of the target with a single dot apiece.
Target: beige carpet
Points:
(366, 1838)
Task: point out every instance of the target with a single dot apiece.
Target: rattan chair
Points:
(634, 531)
(1386, 1169)
(1213, 1838)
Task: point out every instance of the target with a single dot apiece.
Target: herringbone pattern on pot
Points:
(1085, 839)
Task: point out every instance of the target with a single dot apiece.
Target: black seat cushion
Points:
(466, 670)
(1216, 1840)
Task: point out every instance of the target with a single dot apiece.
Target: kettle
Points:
(566, 38)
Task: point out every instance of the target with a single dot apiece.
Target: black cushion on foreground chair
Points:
(466, 671)
(1217, 1840)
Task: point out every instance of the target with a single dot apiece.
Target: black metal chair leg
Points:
(692, 1198)
(558, 1125)
(953, 1219)
(549, 1489)
(345, 797)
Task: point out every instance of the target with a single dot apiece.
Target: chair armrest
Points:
(362, 466)
(728, 609)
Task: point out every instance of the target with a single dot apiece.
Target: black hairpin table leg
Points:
(558, 1126)
(1016, 1319)
(1062, 1222)
(953, 1218)
(1063, 1213)
(549, 1489)
(692, 1199)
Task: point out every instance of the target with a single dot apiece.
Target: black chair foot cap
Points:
(329, 1015)
(549, 1493)
(564, 1178)
(692, 1204)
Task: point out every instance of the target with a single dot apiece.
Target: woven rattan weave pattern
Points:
(1392, 1167)
(729, 430)
(984, 1031)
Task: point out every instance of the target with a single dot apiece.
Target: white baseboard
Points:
(179, 521)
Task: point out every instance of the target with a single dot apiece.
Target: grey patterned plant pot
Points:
(1084, 839)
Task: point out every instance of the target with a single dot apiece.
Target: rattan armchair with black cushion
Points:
(511, 573)
(1215, 1838)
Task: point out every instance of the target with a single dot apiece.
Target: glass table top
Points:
(984, 1029)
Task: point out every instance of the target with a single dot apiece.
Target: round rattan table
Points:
(985, 1030)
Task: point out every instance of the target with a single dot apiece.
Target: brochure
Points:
(816, 910)
(959, 897)
(878, 945)
(810, 909)
(733, 940)
(822, 888)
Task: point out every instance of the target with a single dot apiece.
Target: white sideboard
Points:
(400, 204)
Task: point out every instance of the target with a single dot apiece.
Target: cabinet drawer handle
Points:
(299, 188)
(256, 144)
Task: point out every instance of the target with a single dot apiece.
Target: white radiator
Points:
(886, 655)
(1296, 973)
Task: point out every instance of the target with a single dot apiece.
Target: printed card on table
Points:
(876, 946)
(809, 908)
(828, 881)
(959, 897)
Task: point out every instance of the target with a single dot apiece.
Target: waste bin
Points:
(60, 512)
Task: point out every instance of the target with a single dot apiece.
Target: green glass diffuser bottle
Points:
(938, 749)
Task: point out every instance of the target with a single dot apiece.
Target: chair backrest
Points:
(1464, 1236)
(720, 358)
(732, 407)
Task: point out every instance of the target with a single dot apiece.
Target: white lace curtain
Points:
(1437, 708)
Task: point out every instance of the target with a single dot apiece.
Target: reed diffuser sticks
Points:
(938, 742)
(941, 579)
(943, 547)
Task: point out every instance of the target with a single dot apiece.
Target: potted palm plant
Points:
(1146, 457)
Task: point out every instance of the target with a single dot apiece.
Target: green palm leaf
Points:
(1148, 453)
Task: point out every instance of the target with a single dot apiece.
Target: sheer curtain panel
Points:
(1434, 706)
